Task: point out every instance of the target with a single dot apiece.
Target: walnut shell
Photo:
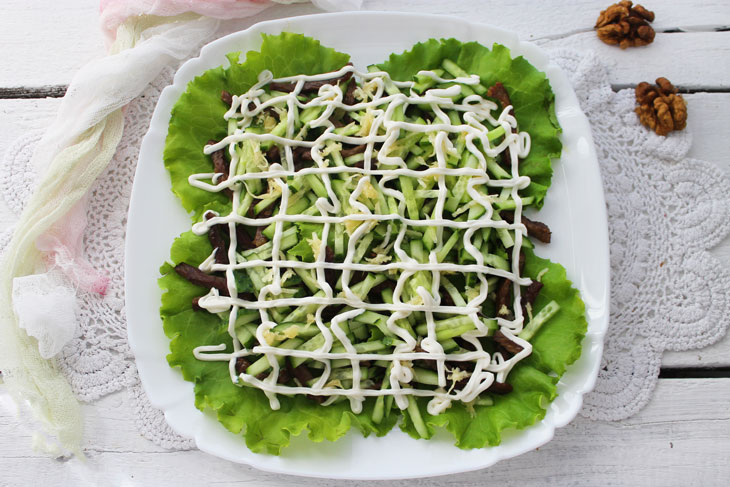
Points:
(661, 108)
(625, 25)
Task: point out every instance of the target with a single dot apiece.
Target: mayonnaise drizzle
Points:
(475, 110)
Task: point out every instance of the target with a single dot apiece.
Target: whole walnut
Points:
(660, 108)
(625, 25)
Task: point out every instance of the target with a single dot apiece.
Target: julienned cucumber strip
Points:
(369, 332)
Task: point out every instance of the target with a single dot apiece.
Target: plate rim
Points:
(598, 322)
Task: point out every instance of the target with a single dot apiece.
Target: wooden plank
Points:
(46, 42)
(717, 355)
(554, 18)
(33, 92)
(692, 61)
(41, 48)
(707, 115)
(671, 442)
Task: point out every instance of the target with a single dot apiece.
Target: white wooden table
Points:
(683, 435)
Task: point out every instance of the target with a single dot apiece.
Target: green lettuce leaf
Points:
(555, 346)
(528, 88)
(197, 116)
(242, 409)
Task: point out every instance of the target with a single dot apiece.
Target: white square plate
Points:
(574, 210)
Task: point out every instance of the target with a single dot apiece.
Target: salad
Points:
(359, 253)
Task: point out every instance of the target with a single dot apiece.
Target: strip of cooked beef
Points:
(259, 239)
(310, 86)
(506, 344)
(529, 295)
(215, 236)
(502, 299)
(349, 96)
(243, 240)
(220, 165)
(466, 345)
(227, 97)
(200, 278)
(330, 275)
(242, 364)
(273, 154)
(534, 229)
(353, 150)
(265, 213)
(500, 388)
(499, 93)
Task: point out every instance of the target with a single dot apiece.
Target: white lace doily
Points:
(664, 211)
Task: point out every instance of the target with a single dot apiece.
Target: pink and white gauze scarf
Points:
(43, 268)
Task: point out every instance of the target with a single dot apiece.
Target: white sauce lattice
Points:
(474, 110)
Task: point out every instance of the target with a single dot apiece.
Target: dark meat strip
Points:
(243, 240)
(425, 363)
(465, 366)
(227, 97)
(376, 292)
(330, 275)
(349, 97)
(219, 161)
(311, 86)
(302, 157)
(247, 296)
(357, 276)
(354, 150)
(499, 93)
(529, 295)
(500, 388)
(196, 304)
(242, 364)
(465, 344)
(259, 239)
(284, 376)
(505, 343)
(446, 299)
(265, 213)
(273, 155)
(302, 374)
(331, 311)
(317, 399)
(502, 300)
(272, 113)
(200, 278)
(386, 284)
(215, 236)
(534, 229)
(347, 119)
